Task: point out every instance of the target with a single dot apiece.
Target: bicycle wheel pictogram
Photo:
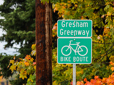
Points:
(66, 50)
(82, 50)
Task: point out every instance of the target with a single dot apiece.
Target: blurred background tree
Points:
(19, 25)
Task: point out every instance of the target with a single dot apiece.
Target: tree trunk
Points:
(43, 43)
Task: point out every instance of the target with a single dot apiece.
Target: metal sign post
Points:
(74, 74)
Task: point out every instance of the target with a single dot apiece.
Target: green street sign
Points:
(74, 50)
(74, 28)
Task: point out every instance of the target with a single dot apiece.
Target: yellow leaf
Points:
(33, 46)
(23, 75)
(55, 83)
(31, 80)
(35, 67)
(106, 30)
(55, 9)
(14, 57)
(112, 58)
(108, 14)
(69, 1)
(96, 30)
(112, 68)
(26, 64)
(13, 67)
(76, 5)
(12, 61)
(31, 59)
(28, 79)
(33, 52)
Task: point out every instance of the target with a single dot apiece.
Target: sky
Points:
(9, 51)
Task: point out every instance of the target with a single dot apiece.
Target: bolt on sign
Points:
(74, 43)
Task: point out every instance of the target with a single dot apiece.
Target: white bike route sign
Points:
(74, 50)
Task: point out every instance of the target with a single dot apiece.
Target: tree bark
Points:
(43, 43)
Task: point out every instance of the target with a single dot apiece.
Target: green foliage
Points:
(25, 68)
(54, 1)
(18, 81)
(31, 80)
(101, 14)
(19, 23)
(4, 62)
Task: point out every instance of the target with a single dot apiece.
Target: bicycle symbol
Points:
(67, 49)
